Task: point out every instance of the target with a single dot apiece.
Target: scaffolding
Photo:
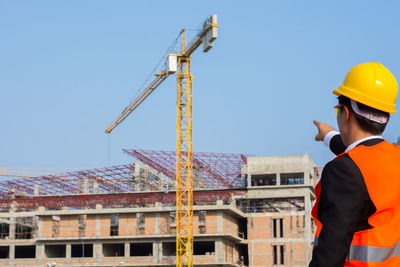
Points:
(212, 171)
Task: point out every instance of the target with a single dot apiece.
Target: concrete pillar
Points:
(11, 255)
(40, 252)
(157, 222)
(306, 177)
(219, 250)
(98, 218)
(85, 188)
(35, 227)
(196, 178)
(220, 222)
(12, 193)
(127, 250)
(137, 176)
(145, 177)
(12, 224)
(278, 178)
(68, 253)
(40, 223)
(308, 169)
(95, 187)
(97, 252)
(36, 190)
(156, 251)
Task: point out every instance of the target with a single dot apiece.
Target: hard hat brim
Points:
(364, 99)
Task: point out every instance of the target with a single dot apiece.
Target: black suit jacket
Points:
(344, 206)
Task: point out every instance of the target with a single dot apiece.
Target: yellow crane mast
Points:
(179, 63)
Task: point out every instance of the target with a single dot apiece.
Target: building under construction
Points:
(248, 211)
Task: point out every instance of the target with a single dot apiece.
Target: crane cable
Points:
(167, 52)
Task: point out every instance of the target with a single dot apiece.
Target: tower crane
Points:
(178, 63)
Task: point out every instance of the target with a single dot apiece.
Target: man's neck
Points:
(354, 132)
(358, 136)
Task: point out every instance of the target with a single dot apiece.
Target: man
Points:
(357, 211)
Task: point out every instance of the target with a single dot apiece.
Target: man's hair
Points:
(365, 124)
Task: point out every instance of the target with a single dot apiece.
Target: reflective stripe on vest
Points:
(369, 253)
(373, 254)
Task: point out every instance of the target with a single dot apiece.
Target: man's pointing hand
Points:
(323, 129)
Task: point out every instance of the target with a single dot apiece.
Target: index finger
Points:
(317, 123)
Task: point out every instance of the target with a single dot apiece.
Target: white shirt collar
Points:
(353, 145)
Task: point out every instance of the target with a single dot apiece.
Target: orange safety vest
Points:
(380, 245)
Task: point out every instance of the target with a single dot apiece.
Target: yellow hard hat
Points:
(370, 84)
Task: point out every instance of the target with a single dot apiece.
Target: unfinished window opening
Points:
(82, 225)
(4, 252)
(4, 230)
(23, 227)
(253, 206)
(278, 253)
(82, 250)
(169, 248)
(243, 228)
(56, 226)
(23, 232)
(55, 251)
(259, 205)
(114, 224)
(114, 250)
(141, 249)
(263, 179)
(277, 227)
(203, 248)
(202, 221)
(140, 222)
(25, 252)
(243, 255)
(273, 205)
(292, 178)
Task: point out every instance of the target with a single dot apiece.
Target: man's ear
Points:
(348, 113)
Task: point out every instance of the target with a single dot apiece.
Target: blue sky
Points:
(68, 68)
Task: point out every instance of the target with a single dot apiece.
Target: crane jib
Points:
(206, 36)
